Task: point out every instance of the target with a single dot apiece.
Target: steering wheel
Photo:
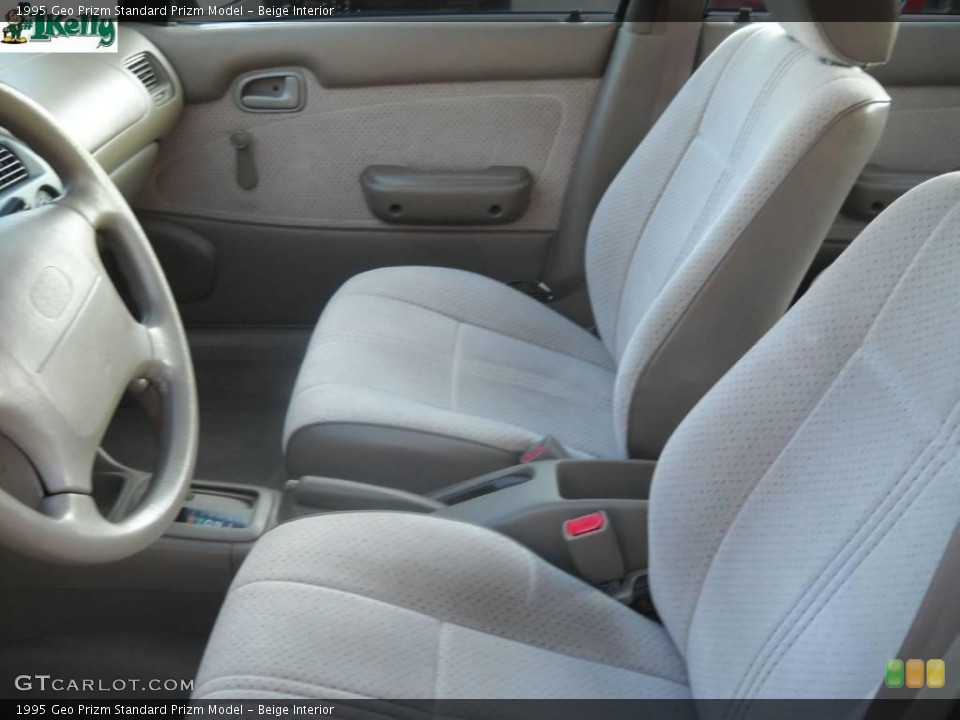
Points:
(69, 347)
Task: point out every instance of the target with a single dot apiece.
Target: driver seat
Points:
(797, 517)
(421, 377)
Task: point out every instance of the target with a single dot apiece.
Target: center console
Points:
(532, 503)
(587, 517)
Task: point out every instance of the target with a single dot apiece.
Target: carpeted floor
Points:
(117, 666)
(244, 381)
(101, 634)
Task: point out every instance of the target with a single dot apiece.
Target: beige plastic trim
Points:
(131, 176)
(488, 196)
(96, 99)
(339, 54)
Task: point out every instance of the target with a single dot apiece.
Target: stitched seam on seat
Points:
(521, 378)
(753, 679)
(493, 330)
(915, 487)
(749, 493)
(642, 229)
(828, 44)
(527, 380)
(431, 353)
(941, 444)
(455, 366)
(816, 406)
(533, 578)
(638, 238)
(368, 388)
(271, 694)
(744, 137)
(380, 342)
(438, 667)
(414, 611)
(756, 110)
(293, 681)
(682, 312)
(431, 714)
(746, 678)
(876, 362)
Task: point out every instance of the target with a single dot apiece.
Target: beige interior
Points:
(253, 268)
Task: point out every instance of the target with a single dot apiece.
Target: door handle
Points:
(271, 92)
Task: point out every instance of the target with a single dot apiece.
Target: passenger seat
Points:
(420, 377)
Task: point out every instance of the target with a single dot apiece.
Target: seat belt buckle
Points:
(547, 448)
(634, 592)
(594, 547)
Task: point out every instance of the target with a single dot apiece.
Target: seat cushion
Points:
(400, 606)
(420, 377)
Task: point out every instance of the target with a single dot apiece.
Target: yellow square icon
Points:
(936, 673)
(914, 674)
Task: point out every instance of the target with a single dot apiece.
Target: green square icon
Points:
(894, 674)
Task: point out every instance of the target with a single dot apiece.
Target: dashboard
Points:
(26, 180)
(117, 105)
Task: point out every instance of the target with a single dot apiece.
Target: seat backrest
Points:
(701, 241)
(799, 513)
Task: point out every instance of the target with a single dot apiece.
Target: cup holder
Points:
(598, 479)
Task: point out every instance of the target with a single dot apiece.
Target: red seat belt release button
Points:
(585, 524)
(534, 453)
(545, 449)
(594, 548)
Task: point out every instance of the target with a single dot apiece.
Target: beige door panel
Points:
(923, 133)
(309, 162)
(461, 96)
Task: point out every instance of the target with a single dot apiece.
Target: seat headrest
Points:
(847, 32)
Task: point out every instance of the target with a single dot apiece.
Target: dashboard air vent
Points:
(12, 169)
(143, 67)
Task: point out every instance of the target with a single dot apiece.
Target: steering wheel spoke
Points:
(71, 347)
(72, 509)
(90, 203)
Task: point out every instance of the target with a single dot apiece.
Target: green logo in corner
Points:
(17, 21)
(49, 27)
